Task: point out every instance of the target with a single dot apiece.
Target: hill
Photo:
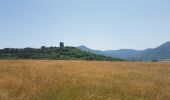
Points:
(65, 53)
(161, 52)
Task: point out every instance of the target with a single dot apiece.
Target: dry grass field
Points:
(83, 80)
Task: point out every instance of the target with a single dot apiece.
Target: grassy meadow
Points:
(83, 80)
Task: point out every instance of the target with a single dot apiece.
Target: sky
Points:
(97, 24)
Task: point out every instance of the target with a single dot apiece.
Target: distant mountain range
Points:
(160, 52)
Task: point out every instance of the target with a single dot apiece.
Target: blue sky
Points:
(98, 24)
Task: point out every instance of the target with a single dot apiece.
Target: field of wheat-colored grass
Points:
(83, 80)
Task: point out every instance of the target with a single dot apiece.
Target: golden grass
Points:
(83, 80)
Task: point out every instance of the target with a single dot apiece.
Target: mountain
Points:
(84, 48)
(64, 53)
(161, 52)
(121, 53)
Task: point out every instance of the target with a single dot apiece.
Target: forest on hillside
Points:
(56, 53)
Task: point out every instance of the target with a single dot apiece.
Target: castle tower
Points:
(61, 44)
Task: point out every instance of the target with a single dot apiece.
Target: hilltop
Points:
(56, 53)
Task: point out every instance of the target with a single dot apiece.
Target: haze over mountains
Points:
(160, 52)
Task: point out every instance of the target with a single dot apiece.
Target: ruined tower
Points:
(61, 44)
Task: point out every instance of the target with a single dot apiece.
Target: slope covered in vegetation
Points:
(66, 53)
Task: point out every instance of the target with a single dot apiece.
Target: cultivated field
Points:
(83, 80)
